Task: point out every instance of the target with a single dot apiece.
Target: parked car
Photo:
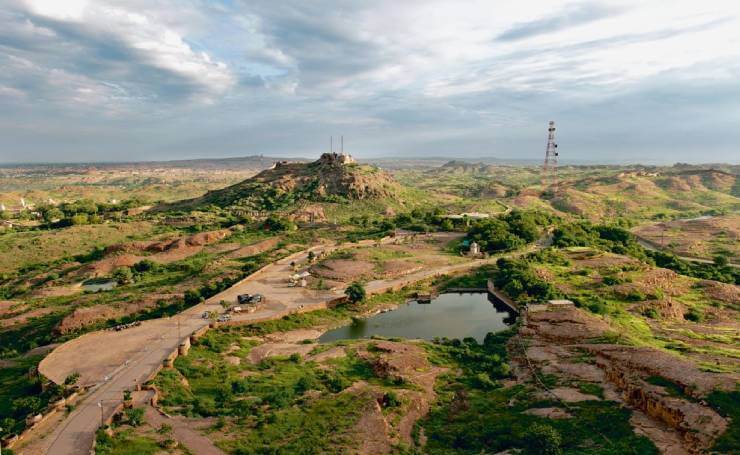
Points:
(243, 298)
(257, 298)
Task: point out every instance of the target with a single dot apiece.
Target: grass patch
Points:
(126, 443)
(727, 404)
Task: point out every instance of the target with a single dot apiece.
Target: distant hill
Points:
(465, 167)
(331, 178)
(650, 193)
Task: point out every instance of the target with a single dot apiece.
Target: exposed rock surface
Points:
(560, 343)
(330, 177)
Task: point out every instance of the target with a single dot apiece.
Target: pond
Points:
(96, 286)
(451, 315)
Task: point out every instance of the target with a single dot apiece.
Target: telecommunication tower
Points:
(550, 168)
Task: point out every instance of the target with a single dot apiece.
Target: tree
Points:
(447, 225)
(53, 214)
(146, 265)
(277, 224)
(721, 260)
(79, 219)
(543, 439)
(355, 292)
(123, 275)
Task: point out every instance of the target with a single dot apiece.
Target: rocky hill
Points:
(331, 178)
(649, 194)
(464, 167)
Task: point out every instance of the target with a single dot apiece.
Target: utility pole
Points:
(342, 142)
(102, 419)
(550, 168)
(331, 144)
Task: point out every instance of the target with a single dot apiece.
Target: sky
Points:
(645, 81)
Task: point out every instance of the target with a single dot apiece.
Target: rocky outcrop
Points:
(554, 342)
(698, 425)
(330, 178)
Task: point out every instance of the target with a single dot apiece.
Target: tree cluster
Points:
(518, 280)
(510, 231)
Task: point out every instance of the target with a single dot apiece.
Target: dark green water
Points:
(453, 315)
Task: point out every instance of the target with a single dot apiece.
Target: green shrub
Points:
(636, 296)
(694, 315)
(355, 292)
(542, 439)
(134, 416)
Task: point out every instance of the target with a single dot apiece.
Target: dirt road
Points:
(649, 245)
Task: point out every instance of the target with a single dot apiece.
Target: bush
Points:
(278, 224)
(134, 416)
(355, 292)
(694, 315)
(483, 381)
(79, 219)
(72, 379)
(542, 439)
(651, 313)
(123, 275)
(391, 400)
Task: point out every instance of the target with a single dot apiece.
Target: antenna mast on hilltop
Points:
(550, 168)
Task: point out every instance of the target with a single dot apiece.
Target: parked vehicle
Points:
(120, 327)
(244, 299)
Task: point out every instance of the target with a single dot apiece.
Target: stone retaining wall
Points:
(34, 421)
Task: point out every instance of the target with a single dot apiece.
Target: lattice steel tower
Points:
(550, 168)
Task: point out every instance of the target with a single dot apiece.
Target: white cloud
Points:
(157, 44)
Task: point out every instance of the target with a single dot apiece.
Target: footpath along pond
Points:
(451, 315)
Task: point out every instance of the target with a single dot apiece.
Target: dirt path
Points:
(182, 432)
(650, 245)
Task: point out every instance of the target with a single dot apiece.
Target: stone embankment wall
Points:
(33, 422)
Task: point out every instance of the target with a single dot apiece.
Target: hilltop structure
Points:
(336, 158)
(334, 177)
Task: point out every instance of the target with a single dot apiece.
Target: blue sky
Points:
(639, 81)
